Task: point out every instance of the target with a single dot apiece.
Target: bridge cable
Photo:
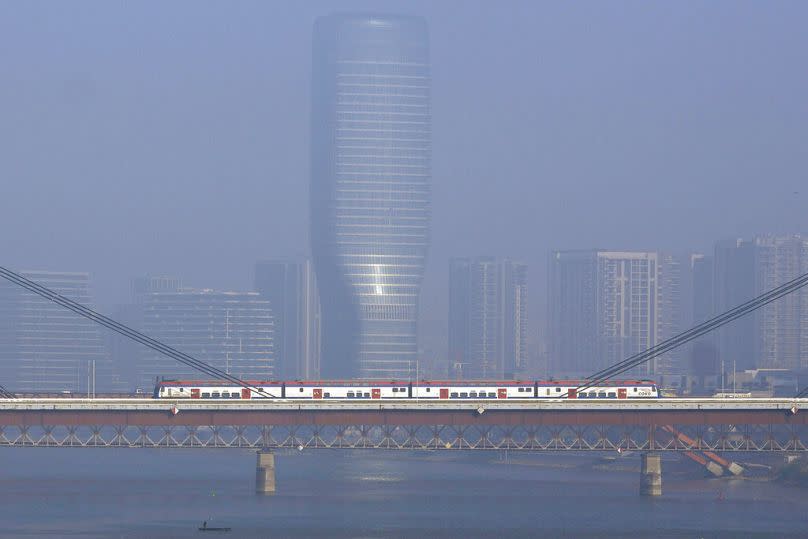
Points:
(126, 331)
(695, 332)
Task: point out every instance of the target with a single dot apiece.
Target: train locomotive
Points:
(404, 390)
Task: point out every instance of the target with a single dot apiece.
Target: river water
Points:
(128, 493)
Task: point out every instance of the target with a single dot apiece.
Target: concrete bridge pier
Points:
(265, 473)
(651, 475)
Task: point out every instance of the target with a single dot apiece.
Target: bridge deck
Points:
(498, 412)
(579, 405)
(534, 425)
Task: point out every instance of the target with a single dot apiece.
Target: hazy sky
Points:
(172, 137)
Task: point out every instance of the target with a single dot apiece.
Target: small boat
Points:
(205, 528)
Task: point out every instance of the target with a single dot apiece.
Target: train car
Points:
(217, 389)
(608, 389)
(347, 389)
(474, 389)
(401, 390)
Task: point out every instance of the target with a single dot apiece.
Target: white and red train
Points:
(393, 390)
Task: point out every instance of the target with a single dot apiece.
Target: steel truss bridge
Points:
(684, 425)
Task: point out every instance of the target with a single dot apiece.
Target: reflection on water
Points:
(168, 493)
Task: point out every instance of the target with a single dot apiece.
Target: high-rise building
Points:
(45, 347)
(572, 313)
(370, 189)
(701, 290)
(487, 318)
(290, 287)
(702, 352)
(673, 285)
(783, 324)
(775, 336)
(232, 331)
(605, 306)
(733, 284)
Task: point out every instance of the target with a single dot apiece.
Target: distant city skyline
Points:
(553, 129)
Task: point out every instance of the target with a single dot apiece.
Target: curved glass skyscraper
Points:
(370, 195)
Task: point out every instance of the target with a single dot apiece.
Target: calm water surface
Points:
(168, 493)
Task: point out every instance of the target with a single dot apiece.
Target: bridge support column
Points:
(265, 473)
(651, 475)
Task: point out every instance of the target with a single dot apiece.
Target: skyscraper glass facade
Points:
(370, 190)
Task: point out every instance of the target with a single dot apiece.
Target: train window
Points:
(367, 395)
(492, 395)
(428, 389)
(395, 390)
(235, 395)
(350, 394)
(464, 394)
(558, 390)
(205, 395)
(326, 394)
(473, 394)
(301, 390)
(612, 394)
(402, 389)
(602, 395)
(582, 395)
(548, 392)
(214, 395)
(182, 389)
(634, 389)
(453, 395)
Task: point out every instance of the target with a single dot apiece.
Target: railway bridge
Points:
(700, 428)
